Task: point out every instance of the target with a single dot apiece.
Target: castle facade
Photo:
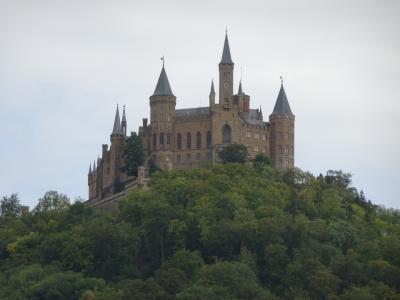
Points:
(191, 137)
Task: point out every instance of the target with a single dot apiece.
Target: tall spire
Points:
(163, 88)
(240, 92)
(117, 123)
(123, 122)
(282, 106)
(94, 166)
(226, 54)
(90, 168)
(212, 92)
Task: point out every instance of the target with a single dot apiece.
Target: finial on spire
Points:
(281, 77)
(241, 73)
(163, 59)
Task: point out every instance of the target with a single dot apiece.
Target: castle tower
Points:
(116, 150)
(211, 97)
(226, 76)
(282, 133)
(243, 100)
(162, 114)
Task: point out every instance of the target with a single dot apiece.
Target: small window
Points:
(161, 138)
(256, 148)
(208, 139)
(168, 138)
(179, 141)
(189, 140)
(198, 140)
(256, 136)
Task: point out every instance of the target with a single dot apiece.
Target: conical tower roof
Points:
(212, 91)
(240, 91)
(163, 88)
(117, 123)
(226, 53)
(282, 106)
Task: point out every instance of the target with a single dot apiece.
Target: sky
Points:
(65, 65)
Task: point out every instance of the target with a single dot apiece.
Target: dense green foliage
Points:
(228, 232)
(233, 153)
(133, 154)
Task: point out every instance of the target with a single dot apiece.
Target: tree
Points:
(233, 153)
(260, 161)
(133, 154)
(10, 206)
(52, 200)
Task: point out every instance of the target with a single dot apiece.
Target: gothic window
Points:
(189, 140)
(226, 134)
(208, 139)
(198, 140)
(161, 138)
(286, 149)
(154, 139)
(179, 141)
(168, 138)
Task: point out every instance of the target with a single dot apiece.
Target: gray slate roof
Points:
(192, 112)
(226, 54)
(163, 88)
(282, 106)
(117, 123)
(253, 117)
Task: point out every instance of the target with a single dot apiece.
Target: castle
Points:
(192, 137)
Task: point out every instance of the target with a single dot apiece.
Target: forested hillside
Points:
(228, 232)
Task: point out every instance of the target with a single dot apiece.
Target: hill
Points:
(228, 232)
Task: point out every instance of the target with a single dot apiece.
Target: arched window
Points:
(208, 139)
(179, 141)
(168, 138)
(189, 140)
(226, 134)
(161, 138)
(154, 140)
(198, 140)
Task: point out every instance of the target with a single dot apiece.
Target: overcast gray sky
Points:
(64, 66)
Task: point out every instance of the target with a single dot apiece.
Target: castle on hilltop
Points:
(192, 137)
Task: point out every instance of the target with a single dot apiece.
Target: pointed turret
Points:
(226, 53)
(94, 166)
(240, 91)
(163, 88)
(123, 122)
(212, 91)
(211, 97)
(282, 106)
(117, 124)
(90, 168)
(226, 77)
